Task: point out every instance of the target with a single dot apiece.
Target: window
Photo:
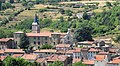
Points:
(34, 42)
(45, 42)
(45, 38)
(35, 38)
(38, 38)
(38, 43)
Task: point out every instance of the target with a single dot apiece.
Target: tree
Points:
(116, 39)
(24, 42)
(78, 64)
(85, 16)
(10, 61)
(46, 46)
(83, 34)
(56, 63)
(108, 4)
(62, 11)
(69, 12)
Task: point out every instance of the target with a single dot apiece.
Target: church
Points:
(38, 38)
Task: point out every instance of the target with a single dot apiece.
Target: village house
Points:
(91, 53)
(85, 44)
(100, 60)
(77, 53)
(88, 62)
(1, 52)
(30, 57)
(64, 59)
(114, 62)
(63, 47)
(45, 52)
(10, 52)
(7, 43)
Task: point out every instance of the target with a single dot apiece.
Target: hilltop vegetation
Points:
(54, 17)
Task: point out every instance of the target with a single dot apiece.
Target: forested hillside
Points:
(106, 22)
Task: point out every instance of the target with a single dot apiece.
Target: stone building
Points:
(38, 38)
(7, 43)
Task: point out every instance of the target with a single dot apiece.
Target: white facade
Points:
(77, 55)
(91, 55)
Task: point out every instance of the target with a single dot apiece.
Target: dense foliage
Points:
(10, 61)
(78, 64)
(46, 46)
(56, 63)
(24, 42)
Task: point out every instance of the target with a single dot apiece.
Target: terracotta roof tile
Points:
(46, 50)
(88, 62)
(38, 34)
(63, 45)
(86, 42)
(2, 57)
(100, 57)
(29, 56)
(17, 55)
(40, 60)
(76, 60)
(1, 51)
(103, 53)
(57, 57)
(14, 51)
(70, 51)
(116, 61)
(5, 39)
(93, 50)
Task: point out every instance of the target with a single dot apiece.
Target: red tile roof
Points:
(100, 57)
(1, 51)
(93, 50)
(70, 51)
(88, 62)
(46, 50)
(38, 34)
(2, 57)
(14, 51)
(76, 60)
(116, 61)
(43, 34)
(17, 55)
(62, 45)
(5, 39)
(54, 57)
(30, 56)
(103, 53)
(87, 42)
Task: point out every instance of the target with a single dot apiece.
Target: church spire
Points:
(36, 19)
(35, 25)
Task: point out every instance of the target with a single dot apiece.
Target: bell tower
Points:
(35, 25)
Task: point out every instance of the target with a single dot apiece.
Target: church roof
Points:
(39, 34)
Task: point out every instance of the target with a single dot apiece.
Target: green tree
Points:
(78, 64)
(108, 4)
(56, 63)
(24, 42)
(83, 34)
(116, 39)
(62, 11)
(85, 16)
(46, 46)
(68, 12)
